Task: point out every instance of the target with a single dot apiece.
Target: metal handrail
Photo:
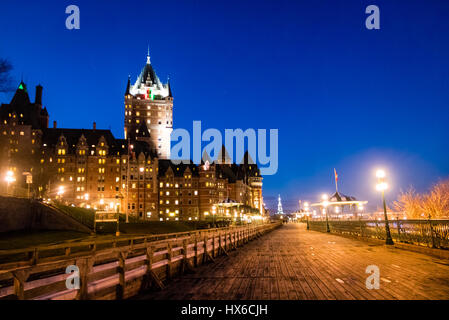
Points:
(432, 233)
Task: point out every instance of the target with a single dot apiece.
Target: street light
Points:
(9, 178)
(325, 202)
(382, 186)
(60, 191)
(306, 209)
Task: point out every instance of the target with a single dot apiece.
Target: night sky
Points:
(341, 96)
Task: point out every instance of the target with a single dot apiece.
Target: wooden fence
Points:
(116, 269)
(430, 233)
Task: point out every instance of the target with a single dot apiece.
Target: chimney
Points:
(38, 99)
(54, 124)
(94, 126)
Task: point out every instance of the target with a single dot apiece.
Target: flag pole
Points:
(336, 180)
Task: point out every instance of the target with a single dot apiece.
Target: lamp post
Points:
(117, 209)
(325, 199)
(9, 178)
(214, 211)
(382, 186)
(306, 209)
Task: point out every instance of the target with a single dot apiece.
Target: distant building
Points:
(280, 210)
(22, 125)
(92, 168)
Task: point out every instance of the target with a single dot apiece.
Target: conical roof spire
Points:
(148, 56)
(128, 85)
(21, 96)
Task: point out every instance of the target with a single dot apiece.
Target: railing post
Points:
(377, 230)
(195, 259)
(205, 248)
(361, 228)
(20, 277)
(169, 258)
(226, 240)
(431, 232)
(121, 275)
(150, 258)
(35, 256)
(213, 245)
(184, 254)
(398, 222)
(85, 266)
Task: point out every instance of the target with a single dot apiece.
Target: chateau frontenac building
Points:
(92, 168)
(149, 111)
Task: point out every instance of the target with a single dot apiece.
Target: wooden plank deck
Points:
(292, 263)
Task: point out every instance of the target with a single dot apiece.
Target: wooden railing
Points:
(431, 233)
(116, 269)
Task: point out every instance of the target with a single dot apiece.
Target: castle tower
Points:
(150, 102)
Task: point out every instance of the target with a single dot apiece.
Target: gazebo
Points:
(225, 206)
(341, 205)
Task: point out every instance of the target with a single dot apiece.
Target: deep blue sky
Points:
(341, 95)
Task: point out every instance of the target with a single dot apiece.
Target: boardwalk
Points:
(293, 263)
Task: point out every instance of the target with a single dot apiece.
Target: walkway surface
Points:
(293, 263)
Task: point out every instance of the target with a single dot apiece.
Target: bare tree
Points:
(5, 77)
(411, 203)
(436, 203)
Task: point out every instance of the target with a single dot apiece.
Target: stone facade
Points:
(92, 168)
